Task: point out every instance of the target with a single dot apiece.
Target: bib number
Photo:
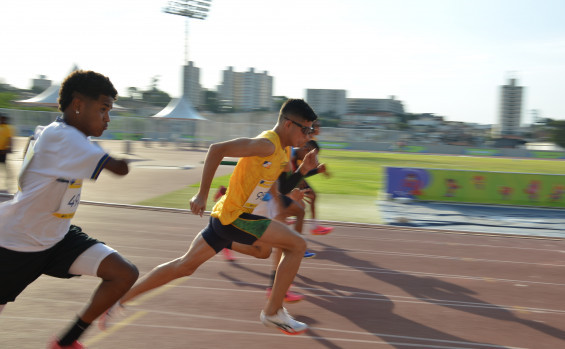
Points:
(258, 193)
(71, 199)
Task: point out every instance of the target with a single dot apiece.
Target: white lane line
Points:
(442, 243)
(387, 228)
(372, 270)
(345, 294)
(431, 256)
(368, 252)
(426, 344)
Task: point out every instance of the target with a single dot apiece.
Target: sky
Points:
(447, 57)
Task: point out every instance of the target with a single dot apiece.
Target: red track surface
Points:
(369, 287)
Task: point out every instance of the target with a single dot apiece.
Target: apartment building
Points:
(191, 88)
(510, 111)
(375, 105)
(326, 101)
(246, 91)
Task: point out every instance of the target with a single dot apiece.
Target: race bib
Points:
(258, 193)
(71, 199)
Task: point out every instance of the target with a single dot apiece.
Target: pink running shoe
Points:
(228, 255)
(319, 230)
(289, 297)
(221, 192)
(54, 344)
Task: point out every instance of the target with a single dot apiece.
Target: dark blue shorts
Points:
(246, 229)
(19, 269)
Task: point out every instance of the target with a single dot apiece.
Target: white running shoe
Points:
(284, 322)
(116, 311)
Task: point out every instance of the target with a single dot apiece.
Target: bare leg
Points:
(198, 253)
(277, 255)
(293, 247)
(117, 275)
(313, 206)
(296, 210)
(257, 250)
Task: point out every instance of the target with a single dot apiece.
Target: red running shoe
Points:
(228, 255)
(54, 344)
(319, 230)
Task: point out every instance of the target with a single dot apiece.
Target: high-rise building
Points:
(191, 88)
(510, 113)
(325, 101)
(372, 112)
(375, 105)
(246, 91)
(41, 83)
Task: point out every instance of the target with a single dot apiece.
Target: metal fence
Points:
(200, 132)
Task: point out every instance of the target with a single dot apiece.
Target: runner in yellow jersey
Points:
(6, 135)
(232, 222)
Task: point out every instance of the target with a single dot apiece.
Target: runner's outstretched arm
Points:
(240, 147)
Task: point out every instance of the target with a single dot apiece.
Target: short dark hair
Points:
(299, 108)
(87, 83)
(312, 144)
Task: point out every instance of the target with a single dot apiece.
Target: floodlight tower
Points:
(196, 9)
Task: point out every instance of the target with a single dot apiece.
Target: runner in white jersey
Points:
(36, 235)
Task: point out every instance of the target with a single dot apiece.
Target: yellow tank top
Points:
(251, 179)
(5, 135)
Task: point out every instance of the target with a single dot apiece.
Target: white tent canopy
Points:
(47, 98)
(179, 108)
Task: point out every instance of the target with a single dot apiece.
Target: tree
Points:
(278, 102)
(154, 95)
(557, 131)
(211, 101)
(134, 93)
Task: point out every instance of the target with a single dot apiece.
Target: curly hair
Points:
(87, 83)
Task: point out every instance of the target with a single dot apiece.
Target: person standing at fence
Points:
(36, 234)
(6, 141)
(232, 223)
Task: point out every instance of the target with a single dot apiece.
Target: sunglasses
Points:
(305, 129)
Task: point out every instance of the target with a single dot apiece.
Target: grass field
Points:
(356, 180)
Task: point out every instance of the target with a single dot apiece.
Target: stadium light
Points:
(196, 9)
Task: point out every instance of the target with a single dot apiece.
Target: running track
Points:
(369, 287)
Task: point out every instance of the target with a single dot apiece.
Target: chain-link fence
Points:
(202, 132)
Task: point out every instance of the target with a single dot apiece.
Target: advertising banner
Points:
(547, 154)
(481, 152)
(478, 187)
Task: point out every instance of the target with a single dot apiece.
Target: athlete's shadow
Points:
(434, 290)
(368, 310)
(374, 313)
